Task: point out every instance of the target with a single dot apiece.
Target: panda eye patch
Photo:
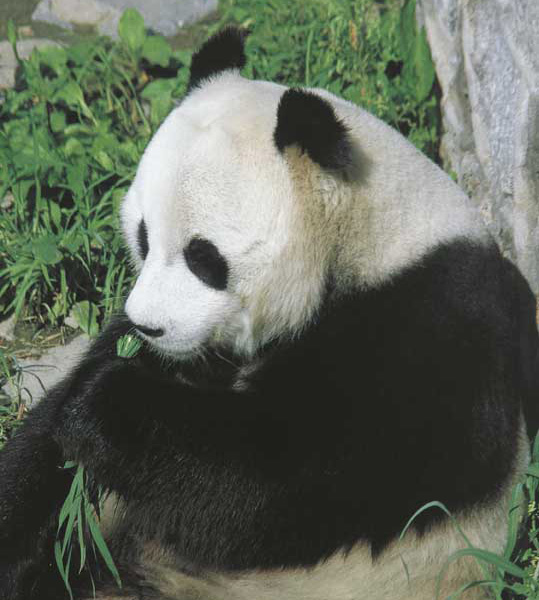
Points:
(207, 263)
(142, 239)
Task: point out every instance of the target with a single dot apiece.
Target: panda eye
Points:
(207, 263)
(142, 239)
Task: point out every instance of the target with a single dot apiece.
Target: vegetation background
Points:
(74, 127)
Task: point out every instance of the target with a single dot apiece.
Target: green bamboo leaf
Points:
(515, 513)
(443, 508)
(484, 556)
(70, 524)
(59, 563)
(128, 346)
(82, 544)
(468, 586)
(66, 506)
(101, 545)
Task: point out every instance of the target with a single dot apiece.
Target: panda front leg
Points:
(34, 484)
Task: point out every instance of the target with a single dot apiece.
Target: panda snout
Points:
(152, 332)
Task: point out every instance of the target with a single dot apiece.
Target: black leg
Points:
(33, 486)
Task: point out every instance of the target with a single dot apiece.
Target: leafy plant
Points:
(13, 406)
(71, 135)
(77, 525)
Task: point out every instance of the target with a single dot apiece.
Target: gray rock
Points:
(40, 375)
(7, 328)
(162, 16)
(487, 60)
(8, 62)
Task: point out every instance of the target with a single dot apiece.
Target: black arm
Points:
(34, 485)
(32, 488)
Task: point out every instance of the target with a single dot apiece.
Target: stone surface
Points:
(8, 62)
(41, 374)
(163, 16)
(487, 60)
(7, 328)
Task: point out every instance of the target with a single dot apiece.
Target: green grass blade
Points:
(59, 563)
(443, 508)
(82, 544)
(101, 545)
(515, 513)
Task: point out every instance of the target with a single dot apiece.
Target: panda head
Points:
(232, 218)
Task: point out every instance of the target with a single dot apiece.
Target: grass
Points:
(13, 405)
(67, 157)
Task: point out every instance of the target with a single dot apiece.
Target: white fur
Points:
(213, 170)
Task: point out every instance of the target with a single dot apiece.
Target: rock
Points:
(7, 201)
(70, 321)
(486, 54)
(162, 16)
(7, 328)
(8, 62)
(25, 31)
(40, 375)
(68, 13)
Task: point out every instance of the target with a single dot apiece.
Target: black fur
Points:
(142, 239)
(394, 397)
(305, 119)
(223, 51)
(207, 263)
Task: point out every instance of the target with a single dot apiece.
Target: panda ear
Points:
(305, 119)
(224, 50)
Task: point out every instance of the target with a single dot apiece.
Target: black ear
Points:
(224, 50)
(305, 119)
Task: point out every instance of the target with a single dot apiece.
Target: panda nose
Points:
(149, 331)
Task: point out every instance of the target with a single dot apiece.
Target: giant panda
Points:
(331, 340)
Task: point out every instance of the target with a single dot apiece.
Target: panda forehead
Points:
(237, 104)
(216, 134)
(211, 182)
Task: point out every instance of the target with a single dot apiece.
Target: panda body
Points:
(332, 340)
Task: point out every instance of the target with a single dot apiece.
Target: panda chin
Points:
(206, 367)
